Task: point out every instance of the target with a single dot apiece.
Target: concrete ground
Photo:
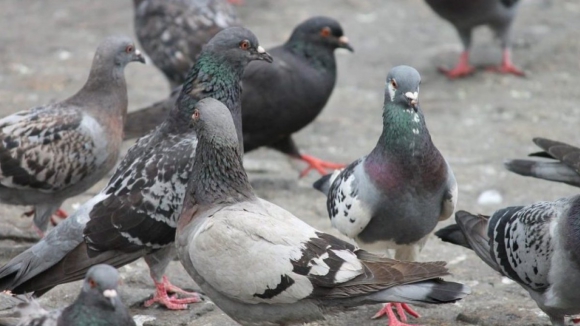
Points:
(46, 47)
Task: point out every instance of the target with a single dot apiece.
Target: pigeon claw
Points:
(60, 214)
(507, 68)
(402, 308)
(172, 303)
(318, 165)
(461, 70)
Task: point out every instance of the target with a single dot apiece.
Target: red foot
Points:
(172, 303)
(387, 310)
(236, 2)
(60, 214)
(318, 165)
(576, 320)
(507, 67)
(461, 70)
(38, 231)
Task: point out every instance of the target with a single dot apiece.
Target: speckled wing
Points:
(348, 212)
(144, 197)
(49, 149)
(172, 32)
(521, 242)
(287, 259)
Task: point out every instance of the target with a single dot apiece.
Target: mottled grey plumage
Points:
(53, 152)
(136, 213)
(394, 197)
(466, 15)
(563, 166)
(172, 32)
(292, 272)
(281, 98)
(536, 246)
(98, 304)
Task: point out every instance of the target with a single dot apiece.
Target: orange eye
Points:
(92, 283)
(394, 83)
(245, 44)
(325, 32)
(195, 115)
(129, 49)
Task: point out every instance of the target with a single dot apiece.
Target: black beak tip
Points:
(348, 47)
(267, 57)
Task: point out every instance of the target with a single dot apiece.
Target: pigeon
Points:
(136, 214)
(535, 245)
(292, 273)
(98, 304)
(564, 164)
(281, 98)
(466, 15)
(56, 151)
(172, 32)
(393, 197)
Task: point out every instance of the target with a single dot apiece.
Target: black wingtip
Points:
(521, 167)
(323, 184)
(453, 235)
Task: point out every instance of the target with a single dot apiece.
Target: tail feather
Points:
(474, 228)
(454, 235)
(551, 171)
(435, 291)
(323, 184)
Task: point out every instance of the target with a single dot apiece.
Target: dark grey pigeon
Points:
(466, 15)
(393, 197)
(172, 32)
(98, 304)
(536, 246)
(292, 273)
(56, 151)
(563, 166)
(135, 215)
(281, 98)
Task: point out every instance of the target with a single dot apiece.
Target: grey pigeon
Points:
(291, 272)
(172, 32)
(53, 152)
(393, 197)
(281, 98)
(466, 15)
(536, 246)
(98, 304)
(563, 166)
(136, 214)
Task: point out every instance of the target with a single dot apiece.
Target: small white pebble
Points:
(457, 260)
(64, 55)
(505, 280)
(76, 206)
(141, 319)
(490, 197)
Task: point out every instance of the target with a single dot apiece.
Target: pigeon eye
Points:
(195, 115)
(92, 283)
(394, 84)
(245, 44)
(129, 49)
(325, 32)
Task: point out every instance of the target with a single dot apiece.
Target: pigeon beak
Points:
(343, 43)
(263, 55)
(137, 56)
(110, 294)
(413, 98)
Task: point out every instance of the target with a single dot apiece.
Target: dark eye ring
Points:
(245, 44)
(129, 49)
(394, 83)
(325, 32)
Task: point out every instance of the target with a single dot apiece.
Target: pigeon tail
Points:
(434, 291)
(323, 184)
(474, 228)
(551, 171)
(454, 235)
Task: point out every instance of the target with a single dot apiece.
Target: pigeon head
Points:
(212, 120)
(402, 87)
(236, 45)
(101, 283)
(118, 49)
(323, 31)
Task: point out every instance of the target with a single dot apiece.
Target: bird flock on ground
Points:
(181, 190)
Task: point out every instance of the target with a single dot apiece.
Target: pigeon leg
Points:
(60, 214)
(318, 165)
(462, 68)
(172, 303)
(507, 66)
(401, 309)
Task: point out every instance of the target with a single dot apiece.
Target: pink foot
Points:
(60, 214)
(507, 67)
(172, 303)
(318, 165)
(461, 70)
(402, 308)
(38, 231)
(576, 320)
